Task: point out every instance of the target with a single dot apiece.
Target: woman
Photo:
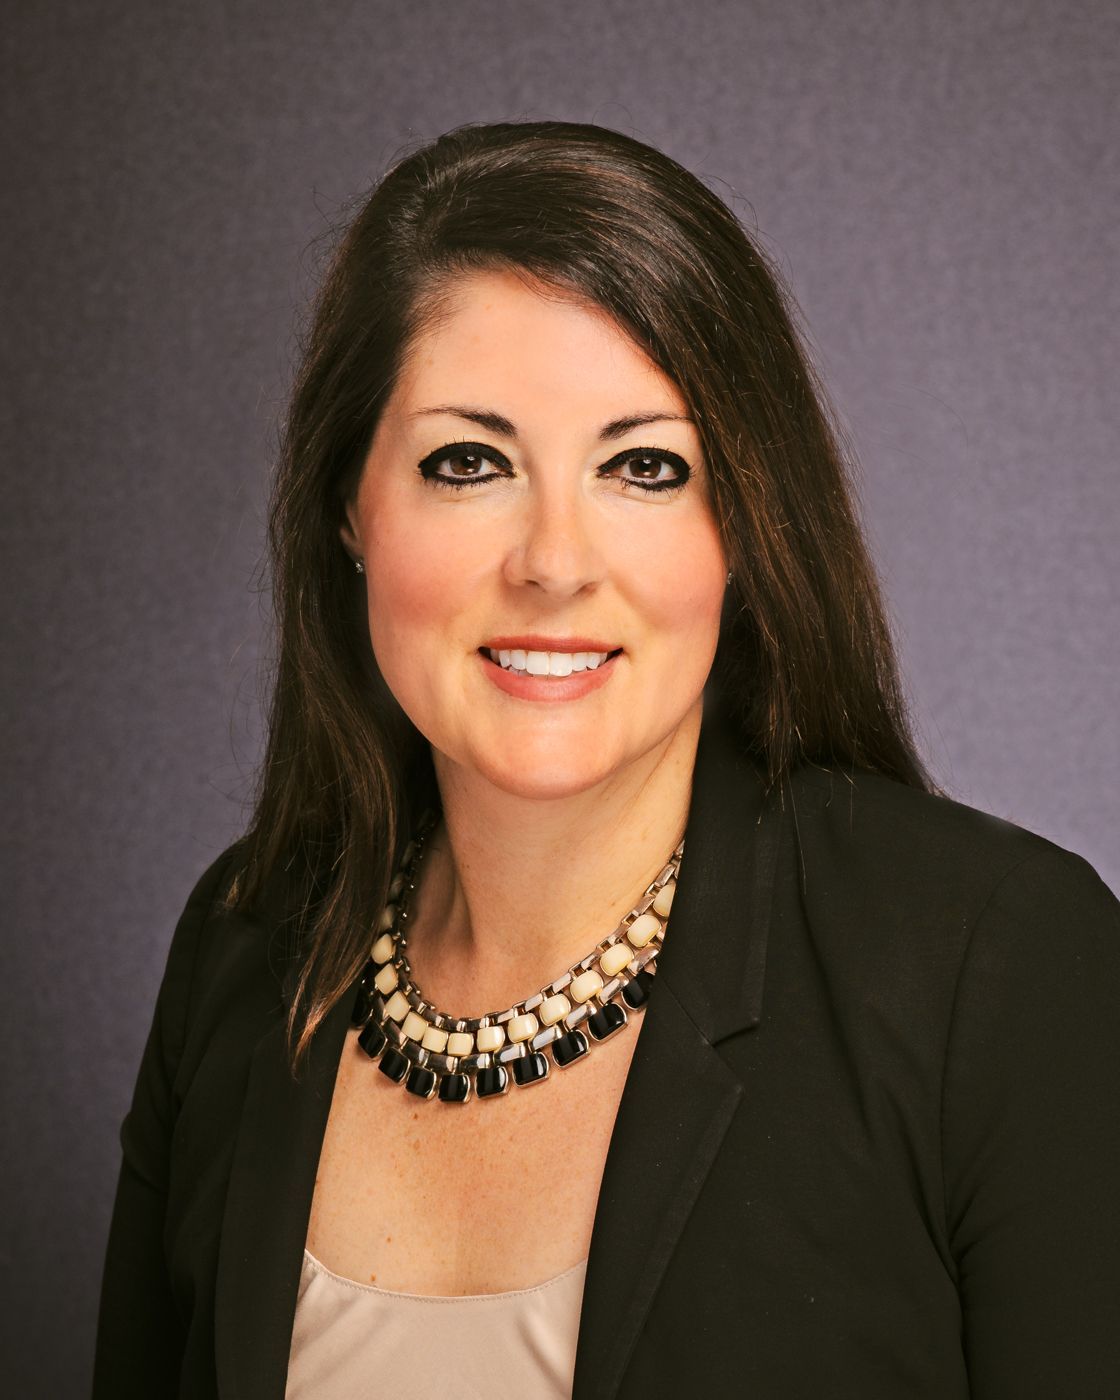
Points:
(572, 602)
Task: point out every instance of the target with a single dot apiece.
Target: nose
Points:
(557, 545)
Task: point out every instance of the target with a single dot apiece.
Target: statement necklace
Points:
(433, 1053)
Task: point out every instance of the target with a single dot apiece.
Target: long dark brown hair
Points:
(805, 655)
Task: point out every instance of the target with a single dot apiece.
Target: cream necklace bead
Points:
(433, 1054)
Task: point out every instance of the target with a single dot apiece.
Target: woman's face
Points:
(554, 541)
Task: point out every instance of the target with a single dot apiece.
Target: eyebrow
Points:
(496, 423)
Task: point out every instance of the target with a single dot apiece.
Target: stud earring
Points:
(359, 566)
(729, 576)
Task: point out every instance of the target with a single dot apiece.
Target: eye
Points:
(465, 462)
(646, 466)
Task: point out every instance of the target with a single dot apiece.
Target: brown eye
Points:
(465, 464)
(459, 464)
(646, 471)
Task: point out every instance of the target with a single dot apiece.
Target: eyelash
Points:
(426, 468)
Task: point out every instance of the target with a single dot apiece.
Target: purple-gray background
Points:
(939, 183)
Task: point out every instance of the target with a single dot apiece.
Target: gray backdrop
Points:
(939, 183)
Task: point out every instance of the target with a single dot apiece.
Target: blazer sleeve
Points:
(139, 1333)
(1031, 1135)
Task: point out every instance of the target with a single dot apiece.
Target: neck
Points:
(513, 890)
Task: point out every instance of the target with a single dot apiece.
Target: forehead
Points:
(500, 339)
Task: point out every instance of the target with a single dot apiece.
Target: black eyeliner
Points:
(654, 454)
(488, 454)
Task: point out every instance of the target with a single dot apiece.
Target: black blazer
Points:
(868, 1146)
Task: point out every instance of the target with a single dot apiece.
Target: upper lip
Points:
(535, 642)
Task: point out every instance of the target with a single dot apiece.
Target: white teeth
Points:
(547, 663)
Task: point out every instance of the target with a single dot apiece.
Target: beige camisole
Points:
(352, 1340)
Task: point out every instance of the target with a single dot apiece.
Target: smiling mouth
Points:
(548, 665)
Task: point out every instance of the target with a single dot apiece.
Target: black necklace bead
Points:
(394, 1064)
(531, 1068)
(372, 1040)
(636, 992)
(493, 1080)
(360, 1009)
(606, 1020)
(421, 1082)
(455, 1088)
(569, 1047)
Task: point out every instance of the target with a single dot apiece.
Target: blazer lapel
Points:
(265, 1225)
(680, 1095)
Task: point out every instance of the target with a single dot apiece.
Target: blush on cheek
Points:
(418, 592)
(692, 589)
(407, 577)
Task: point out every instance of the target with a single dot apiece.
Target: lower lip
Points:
(528, 687)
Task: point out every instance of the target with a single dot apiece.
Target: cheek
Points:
(418, 579)
(684, 588)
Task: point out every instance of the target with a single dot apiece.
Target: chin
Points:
(546, 781)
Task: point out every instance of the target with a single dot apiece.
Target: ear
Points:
(348, 530)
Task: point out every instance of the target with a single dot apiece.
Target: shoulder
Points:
(214, 883)
(205, 896)
(894, 883)
(221, 958)
(876, 829)
(206, 901)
